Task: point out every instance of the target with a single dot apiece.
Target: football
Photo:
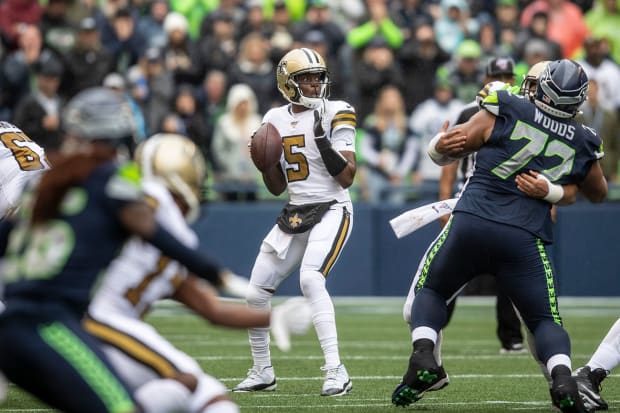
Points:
(266, 147)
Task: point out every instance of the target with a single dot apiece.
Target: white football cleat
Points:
(259, 379)
(337, 381)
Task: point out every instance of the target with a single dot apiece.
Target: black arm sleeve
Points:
(334, 161)
(196, 262)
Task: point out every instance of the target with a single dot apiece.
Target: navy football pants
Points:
(519, 260)
(53, 358)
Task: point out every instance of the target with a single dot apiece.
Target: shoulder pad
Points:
(125, 183)
(342, 114)
(595, 138)
(500, 97)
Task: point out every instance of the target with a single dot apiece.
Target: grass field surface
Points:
(375, 346)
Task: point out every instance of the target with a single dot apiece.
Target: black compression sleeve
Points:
(334, 161)
(195, 261)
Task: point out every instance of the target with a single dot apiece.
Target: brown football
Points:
(266, 147)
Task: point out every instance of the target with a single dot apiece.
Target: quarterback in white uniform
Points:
(317, 166)
(165, 378)
(21, 160)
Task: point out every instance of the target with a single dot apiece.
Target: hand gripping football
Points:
(266, 147)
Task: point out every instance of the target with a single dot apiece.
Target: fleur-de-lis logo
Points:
(295, 221)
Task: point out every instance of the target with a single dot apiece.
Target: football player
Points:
(527, 182)
(317, 167)
(506, 232)
(173, 171)
(68, 230)
(499, 74)
(21, 160)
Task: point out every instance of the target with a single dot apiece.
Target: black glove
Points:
(319, 132)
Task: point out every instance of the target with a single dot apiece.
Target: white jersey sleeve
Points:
(304, 169)
(21, 160)
(141, 275)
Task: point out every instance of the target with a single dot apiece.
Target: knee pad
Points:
(258, 297)
(312, 284)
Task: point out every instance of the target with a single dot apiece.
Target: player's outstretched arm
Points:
(139, 219)
(461, 140)
(202, 299)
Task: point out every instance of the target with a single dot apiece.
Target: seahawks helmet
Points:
(562, 88)
(531, 78)
(98, 113)
(295, 63)
(178, 163)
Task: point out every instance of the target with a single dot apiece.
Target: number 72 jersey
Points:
(525, 138)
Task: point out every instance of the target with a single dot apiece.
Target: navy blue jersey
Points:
(525, 138)
(62, 258)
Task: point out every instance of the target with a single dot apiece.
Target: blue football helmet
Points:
(562, 88)
(98, 113)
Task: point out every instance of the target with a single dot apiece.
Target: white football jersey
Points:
(21, 160)
(141, 275)
(307, 177)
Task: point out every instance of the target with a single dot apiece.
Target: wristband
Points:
(555, 192)
(437, 157)
(334, 161)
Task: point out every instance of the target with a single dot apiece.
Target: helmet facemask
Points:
(311, 102)
(531, 79)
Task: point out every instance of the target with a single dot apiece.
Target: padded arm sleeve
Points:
(334, 161)
(196, 262)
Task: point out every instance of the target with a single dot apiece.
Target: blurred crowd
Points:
(206, 69)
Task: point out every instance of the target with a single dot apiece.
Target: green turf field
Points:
(374, 345)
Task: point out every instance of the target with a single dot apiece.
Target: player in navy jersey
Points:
(499, 73)
(498, 229)
(71, 225)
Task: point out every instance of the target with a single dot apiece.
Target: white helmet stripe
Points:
(311, 54)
